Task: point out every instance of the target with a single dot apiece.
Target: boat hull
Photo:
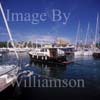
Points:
(88, 53)
(83, 53)
(7, 77)
(53, 60)
(96, 55)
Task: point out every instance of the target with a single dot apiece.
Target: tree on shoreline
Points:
(3, 44)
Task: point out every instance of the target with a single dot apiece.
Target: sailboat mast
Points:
(96, 32)
(77, 35)
(86, 38)
(8, 29)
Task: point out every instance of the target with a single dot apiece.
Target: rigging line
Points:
(87, 33)
(8, 29)
(77, 35)
(96, 32)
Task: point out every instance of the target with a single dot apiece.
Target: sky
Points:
(84, 11)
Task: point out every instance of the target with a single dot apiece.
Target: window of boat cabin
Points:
(43, 50)
(53, 52)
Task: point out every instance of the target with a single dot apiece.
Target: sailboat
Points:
(96, 53)
(82, 51)
(78, 51)
(8, 73)
(87, 51)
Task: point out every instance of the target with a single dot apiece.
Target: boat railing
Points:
(9, 71)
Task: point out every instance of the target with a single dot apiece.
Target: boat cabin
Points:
(50, 52)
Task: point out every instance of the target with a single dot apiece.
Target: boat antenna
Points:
(8, 29)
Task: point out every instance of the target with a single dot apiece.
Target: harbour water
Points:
(86, 68)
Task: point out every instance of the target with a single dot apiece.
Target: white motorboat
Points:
(19, 50)
(78, 53)
(4, 50)
(83, 53)
(88, 52)
(0, 55)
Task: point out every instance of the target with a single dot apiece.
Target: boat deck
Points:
(6, 68)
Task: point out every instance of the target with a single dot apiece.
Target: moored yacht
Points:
(8, 75)
(0, 55)
(78, 53)
(88, 52)
(4, 50)
(19, 50)
(85, 52)
(96, 54)
(49, 55)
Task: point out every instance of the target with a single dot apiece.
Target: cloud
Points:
(29, 36)
(33, 37)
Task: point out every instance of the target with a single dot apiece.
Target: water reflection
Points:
(50, 70)
(84, 68)
(4, 58)
(10, 58)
